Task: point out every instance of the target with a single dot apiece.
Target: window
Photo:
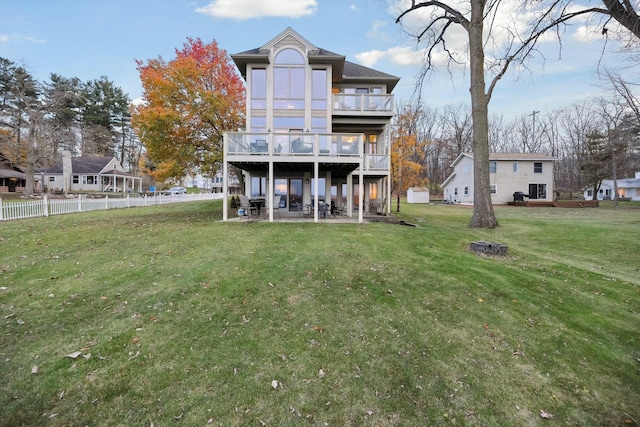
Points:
(258, 124)
(288, 81)
(537, 167)
(455, 191)
(319, 89)
(259, 88)
(89, 179)
(75, 179)
(494, 189)
(319, 124)
(590, 193)
(515, 167)
(493, 167)
(466, 190)
(537, 191)
(289, 56)
(52, 179)
(373, 190)
(288, 88)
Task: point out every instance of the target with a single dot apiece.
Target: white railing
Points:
(369, 103)
(47, 206)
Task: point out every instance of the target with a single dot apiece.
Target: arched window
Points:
(289, 56)
(288, 80)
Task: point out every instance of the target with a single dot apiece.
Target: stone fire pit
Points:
(489, 248)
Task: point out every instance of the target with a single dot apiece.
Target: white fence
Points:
(47, 206)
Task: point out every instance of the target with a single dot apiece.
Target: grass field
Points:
(165, 316)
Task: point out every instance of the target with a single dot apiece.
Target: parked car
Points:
(176, 190)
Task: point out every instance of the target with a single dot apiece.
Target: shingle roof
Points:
(346, 71)
(81, 165)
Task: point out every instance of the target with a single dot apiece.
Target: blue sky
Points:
(92, 38)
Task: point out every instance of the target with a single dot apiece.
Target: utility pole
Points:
(533, 128)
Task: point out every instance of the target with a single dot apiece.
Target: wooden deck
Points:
(557, 203)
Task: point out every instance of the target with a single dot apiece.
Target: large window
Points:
(259, 88)
(288, 81)
(319, 89)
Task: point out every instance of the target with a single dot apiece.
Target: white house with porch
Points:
(317, 130)
(88, 174)
(528, 173)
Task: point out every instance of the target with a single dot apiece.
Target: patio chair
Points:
(248, 207)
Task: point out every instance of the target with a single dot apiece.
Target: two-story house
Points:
(317, 130)
(528, 173)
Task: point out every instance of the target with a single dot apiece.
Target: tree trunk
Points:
(483, 215)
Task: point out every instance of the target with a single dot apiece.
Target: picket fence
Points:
(51, 206)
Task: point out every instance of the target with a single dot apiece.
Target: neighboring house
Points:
(628, 188)
(99, 174)
(317, 129)
(12, 177)
(531, 174)
(214, 184)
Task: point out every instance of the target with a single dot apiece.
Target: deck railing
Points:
(293, 144)
(49, 206)
(364, 103)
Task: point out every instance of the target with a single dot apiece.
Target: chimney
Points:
(67, 170)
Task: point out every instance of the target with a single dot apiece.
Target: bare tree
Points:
(481, 24)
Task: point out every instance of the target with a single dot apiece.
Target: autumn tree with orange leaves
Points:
(408, 149)
(189, 102)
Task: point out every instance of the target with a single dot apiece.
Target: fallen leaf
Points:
(274, 384)
(318, 328)
(103, 298)
(321, 373)
(74, 355)
(34, 369)
(480, 300)
(87, 356)
(545, 415)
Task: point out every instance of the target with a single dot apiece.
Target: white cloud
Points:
(369, 59)
(354, 7)
(241, 10)
(32, 39)
(376, 30)
(587, 34)
(405, 56)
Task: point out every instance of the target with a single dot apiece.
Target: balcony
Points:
(374, 105)
(293, 145)
(244, 148)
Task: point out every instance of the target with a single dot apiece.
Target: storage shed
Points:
(418, 195)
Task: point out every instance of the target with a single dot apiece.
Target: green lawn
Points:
(184, 320)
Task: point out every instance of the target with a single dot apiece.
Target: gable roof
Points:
(343, 71)
(507, 157)
(81, 165)
(623, 183)
(8, 169)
